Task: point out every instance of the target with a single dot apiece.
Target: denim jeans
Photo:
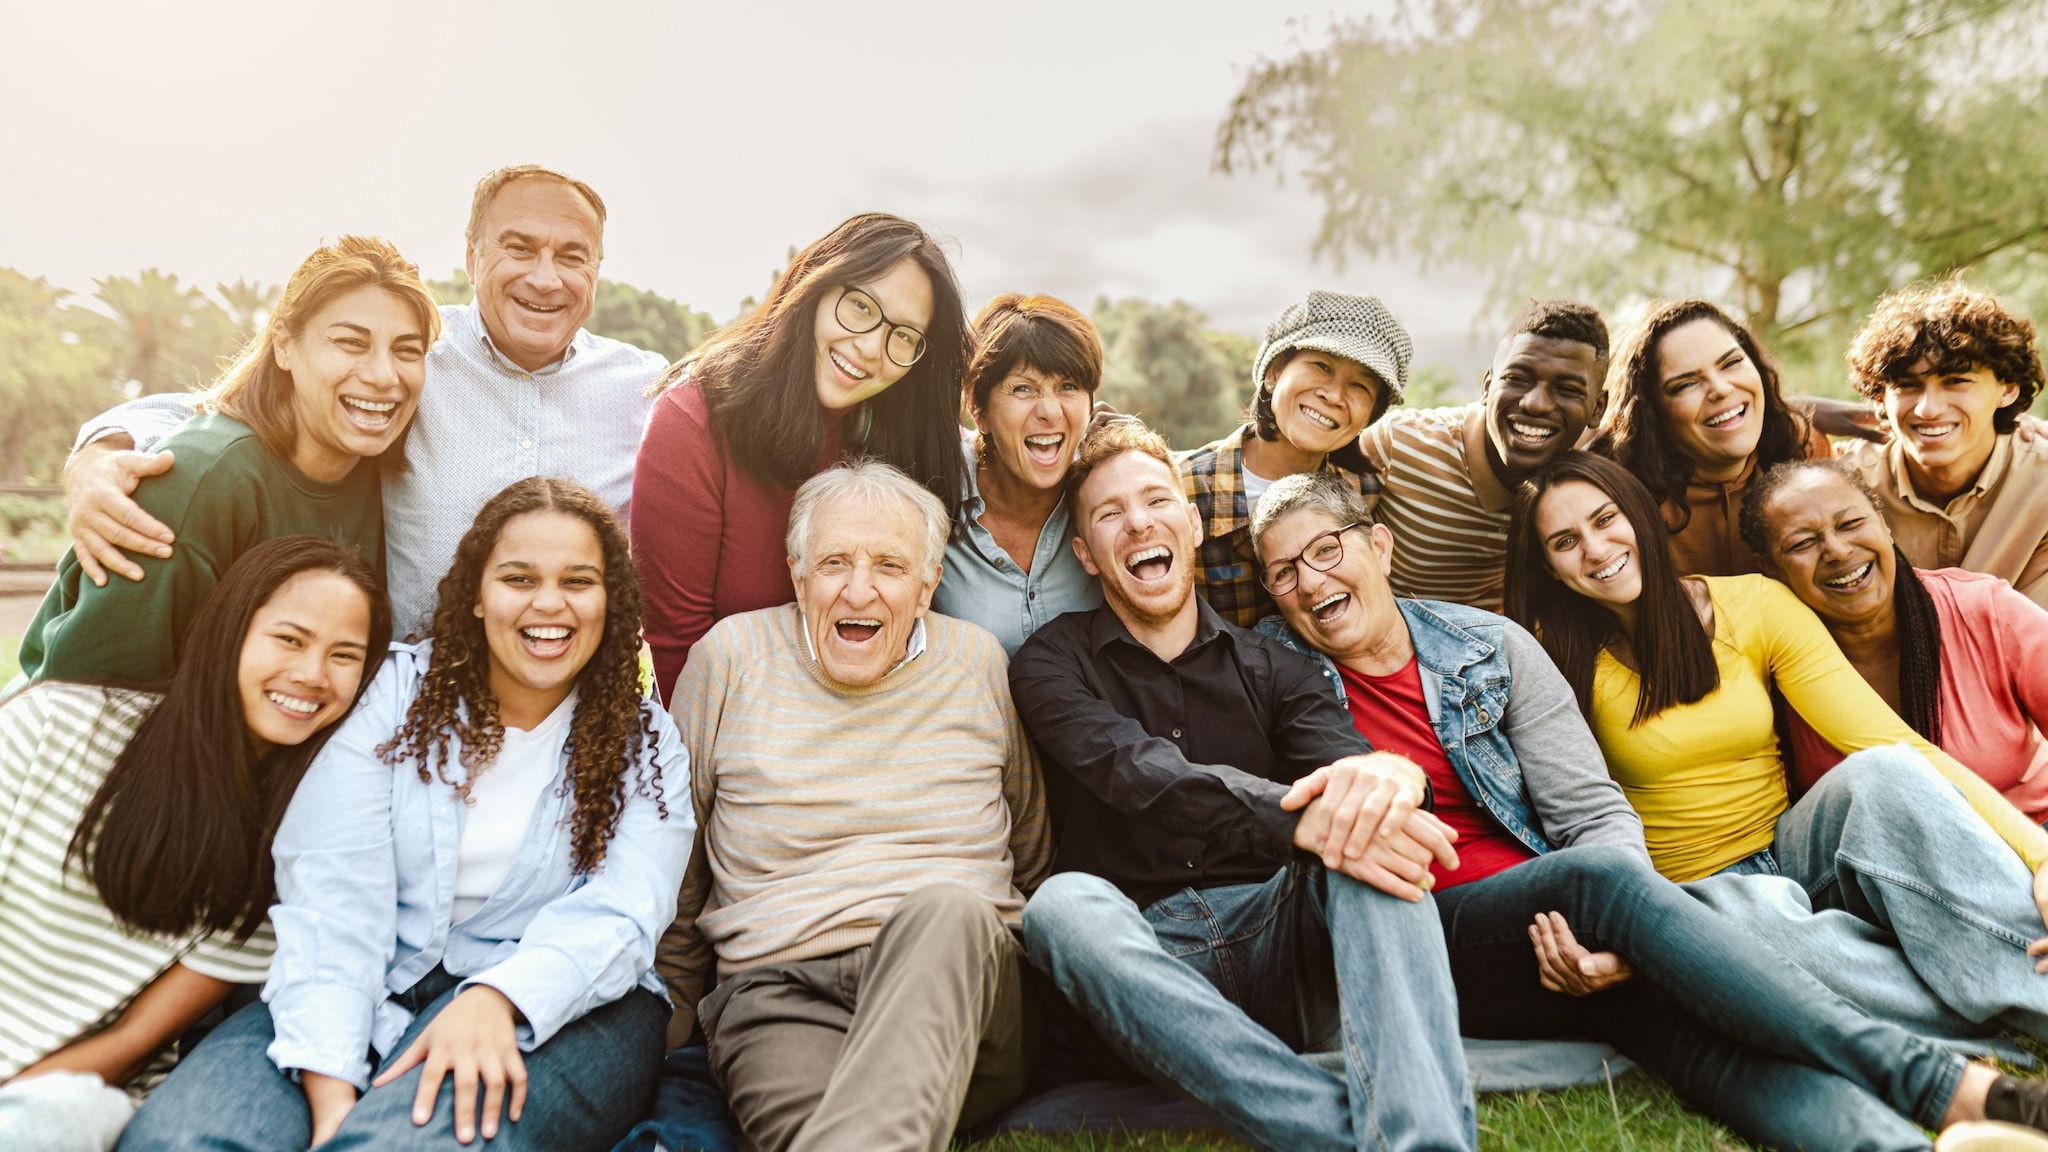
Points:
(585, 1087)
(1216, 992)
(1735, 1028)
(690, 1113)
(1885, 839)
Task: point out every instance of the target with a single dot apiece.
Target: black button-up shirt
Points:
(1168, 775)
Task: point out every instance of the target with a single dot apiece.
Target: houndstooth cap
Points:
(1355, 327)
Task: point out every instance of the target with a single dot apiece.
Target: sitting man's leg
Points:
(1885, 838)
(884, 1047)
(1194, 989)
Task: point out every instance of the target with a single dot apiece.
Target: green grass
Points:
(1636, 1113)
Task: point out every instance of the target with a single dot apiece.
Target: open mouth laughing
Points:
(1613, 568)
(546, 641)
(299, 707)
(1318, 419)
(1330, 608)
(1150, 564)
(372, 416)
(1044, 448)
(858, 629)
(845, 366)
(1727, 418)
(1854, 580)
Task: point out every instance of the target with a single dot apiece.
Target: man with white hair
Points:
(870, 818)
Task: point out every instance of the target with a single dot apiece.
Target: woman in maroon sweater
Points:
(859, 350)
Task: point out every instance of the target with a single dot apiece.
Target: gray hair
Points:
(872, 482)
(1327, 492)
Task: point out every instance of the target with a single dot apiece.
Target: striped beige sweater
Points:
(820, 806)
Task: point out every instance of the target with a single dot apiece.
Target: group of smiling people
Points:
(962, 762)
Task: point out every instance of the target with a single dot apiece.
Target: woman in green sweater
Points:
(278, 449)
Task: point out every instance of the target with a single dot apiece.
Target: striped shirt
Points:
(1447, 510)
(819, 806)
(66, 968)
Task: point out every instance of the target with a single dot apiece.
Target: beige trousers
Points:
(884, 1048)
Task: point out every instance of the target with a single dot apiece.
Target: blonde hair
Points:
(254, 389)
(488, 188)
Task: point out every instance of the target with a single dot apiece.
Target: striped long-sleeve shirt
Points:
(66, 968)
(1446, 509)
(819, 807)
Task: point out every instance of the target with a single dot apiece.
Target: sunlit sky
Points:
(1061, 146)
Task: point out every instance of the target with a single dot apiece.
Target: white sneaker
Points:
(1989, 1136)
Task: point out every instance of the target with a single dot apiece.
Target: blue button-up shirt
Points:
(366, 859)
(482, 423)
(983, 585)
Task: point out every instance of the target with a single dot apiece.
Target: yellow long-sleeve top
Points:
(1708, 778)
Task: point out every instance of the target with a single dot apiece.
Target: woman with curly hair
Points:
(1951, 371)
(858, 350)
(1695, 412)
(471, 878)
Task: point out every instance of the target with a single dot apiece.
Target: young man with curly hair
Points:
(1951, 371)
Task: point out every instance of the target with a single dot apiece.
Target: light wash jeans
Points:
(1899, 898)
(1216, 992)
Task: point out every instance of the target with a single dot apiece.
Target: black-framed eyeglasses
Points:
(858, 313)
(1322, 554)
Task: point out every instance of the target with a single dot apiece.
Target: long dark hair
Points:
(1672, 652)
(1635, 431)
(613, 724)
(1919, 625)
(177, 839)
(760, 373)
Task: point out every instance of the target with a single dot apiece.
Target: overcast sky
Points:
(1062, 146)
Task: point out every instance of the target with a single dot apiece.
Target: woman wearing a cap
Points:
(1330, 365)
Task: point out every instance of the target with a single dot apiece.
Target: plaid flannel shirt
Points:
(1226, 571)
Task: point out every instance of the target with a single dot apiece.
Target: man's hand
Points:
(1360, 816)
(1845, 419)
(2039, 948)
(1564, 965)
(329, 1100)
(2030, 428)
(474, 1039)
(105, 519)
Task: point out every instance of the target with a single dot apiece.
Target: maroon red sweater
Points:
(707, 535)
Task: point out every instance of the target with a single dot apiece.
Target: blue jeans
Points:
(585, 1087)
(1735, 1028)
(1216, 991)
(690, 1113)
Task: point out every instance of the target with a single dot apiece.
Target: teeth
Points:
(1848, 578)
(1156, 552)
(1319, 418)
(1933, 431)
(845, 367)
(1047, 440)
(1615, 566)
(864, 623)
(371, 405)
(292, 703)
(1531, 431)
(551, 633)
(532, 307)
(1725, 417)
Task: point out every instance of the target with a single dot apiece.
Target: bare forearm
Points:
(172, 1003)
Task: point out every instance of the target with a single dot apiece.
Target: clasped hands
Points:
(1363, 816)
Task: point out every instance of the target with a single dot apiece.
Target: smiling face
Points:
(543, 605)
(1944, 419)
(1033, 422)
(853, 366)
(1830, 547)
(1712, 397)
(862, 583)
(534, 266)
(1136, 532)
(1322, 401)
(356, 368)
(1541, 395)
(1346, 611)
(1589, 545)
(302, 658)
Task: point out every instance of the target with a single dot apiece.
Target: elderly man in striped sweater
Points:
(870, 817)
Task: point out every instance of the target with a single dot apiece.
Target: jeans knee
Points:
(1070, 908)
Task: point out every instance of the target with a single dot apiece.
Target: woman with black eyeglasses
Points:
(859, 350)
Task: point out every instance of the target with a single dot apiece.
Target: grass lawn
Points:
(1638, 1114)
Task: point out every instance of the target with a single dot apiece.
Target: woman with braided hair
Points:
(472, 877)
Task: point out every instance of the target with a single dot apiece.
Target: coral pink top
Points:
(1994, 689)
(707, 535)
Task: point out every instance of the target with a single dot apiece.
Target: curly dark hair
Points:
(1955, 328)
(613, 723)
(1635, 434)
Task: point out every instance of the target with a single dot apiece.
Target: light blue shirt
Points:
(482, 423)
(983, 585)
(366, 860)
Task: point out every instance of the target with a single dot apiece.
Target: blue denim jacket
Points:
(1462, 655)
(366, 861)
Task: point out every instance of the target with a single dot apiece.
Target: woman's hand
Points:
(1564, 965)
(474, 1039)
(329, 1101)
(2039, 948)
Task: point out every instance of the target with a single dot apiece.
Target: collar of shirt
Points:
(1494, 496)
(1106, 627)
(478, 334)
(1987, 478)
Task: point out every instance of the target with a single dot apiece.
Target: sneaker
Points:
(1989, 1136)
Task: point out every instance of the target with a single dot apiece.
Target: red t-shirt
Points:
(1391, 712)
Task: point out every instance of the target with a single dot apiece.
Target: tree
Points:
(249, 305)
(1163, 363)
(164, 336)
(1796, 157)
(50, 379)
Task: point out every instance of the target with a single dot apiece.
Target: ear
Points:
(281, 351)
(1599, 406)
(1194, 518)
(796, 579)
(1485, 378)
(2007, 393)
(477, 609)
(924, 598)
(1382, 545)
(1081, 553)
